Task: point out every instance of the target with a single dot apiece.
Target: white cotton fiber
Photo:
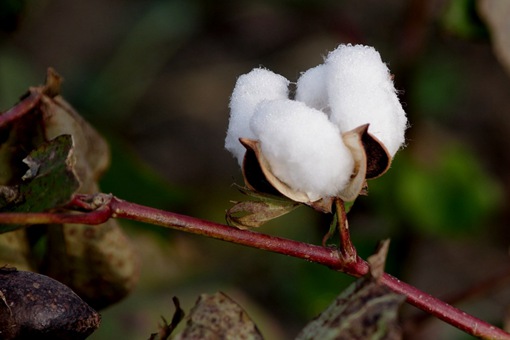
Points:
(304, 149)
(250, 89)
(311, 88)
(361, 91)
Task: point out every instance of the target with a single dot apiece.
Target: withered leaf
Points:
(98, 262)
(367, 309)
(218, 317)
(250, 214)
(378, 260)
(254, 213)
(495, 14)
(34, 306)
(166, 329)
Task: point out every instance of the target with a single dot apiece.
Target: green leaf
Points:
(365, 310)
(50, 179)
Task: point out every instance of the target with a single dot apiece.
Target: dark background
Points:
(155, 78)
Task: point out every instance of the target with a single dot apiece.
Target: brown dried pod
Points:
(371, 160)
(34, 306)
(258, 176)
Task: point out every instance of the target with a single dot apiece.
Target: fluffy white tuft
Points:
(361, 91)
(304, 149)
(311, 88)
(250, 89)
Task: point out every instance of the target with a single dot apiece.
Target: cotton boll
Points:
(304, 149)
(361, 91)
(250, 89)
(311, 88)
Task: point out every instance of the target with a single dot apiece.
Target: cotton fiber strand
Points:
(303, 148)
(250, 89)
(361, 91)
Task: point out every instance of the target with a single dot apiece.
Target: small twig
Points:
(22, 108)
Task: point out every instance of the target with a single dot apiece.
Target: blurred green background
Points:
(155, 78)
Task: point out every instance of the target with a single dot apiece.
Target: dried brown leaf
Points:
(218, 317)
(98, 262)
(496, 14)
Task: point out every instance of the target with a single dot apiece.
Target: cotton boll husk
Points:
(361, 91)
(250, 89)
(311, 88)
(303, 148)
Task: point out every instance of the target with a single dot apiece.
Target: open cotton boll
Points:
(303, 148)
(250, 89)
(361, 91)
(311, 88)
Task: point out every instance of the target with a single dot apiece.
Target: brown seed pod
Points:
(34, 306)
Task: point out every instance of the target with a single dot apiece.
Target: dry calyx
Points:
(343, 127)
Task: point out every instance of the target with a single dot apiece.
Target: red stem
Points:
(325, 256)
(27, 104)
(347, 249)
(329, 257)
(444, 311)
(98, 216)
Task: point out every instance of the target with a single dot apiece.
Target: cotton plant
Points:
(343, 126)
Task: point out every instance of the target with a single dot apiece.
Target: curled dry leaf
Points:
(371, 160)
(166, 329)
(495, 13)
(251, 214)
(217, 316)
(377, 261)
(34, 306)
(367, 309)
(98, 262)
